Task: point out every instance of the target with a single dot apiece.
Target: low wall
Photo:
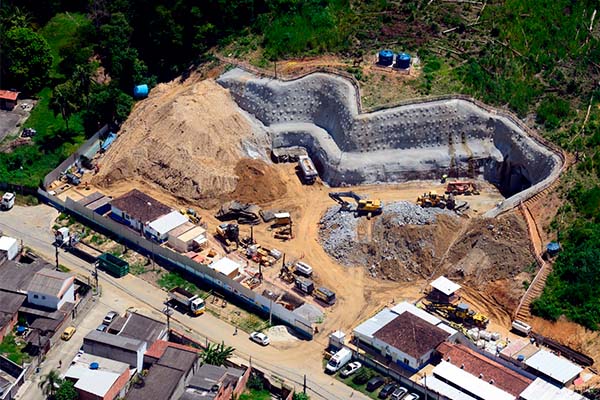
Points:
(182, 263)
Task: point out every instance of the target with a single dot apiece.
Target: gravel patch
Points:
(338, 235)
(407, 213)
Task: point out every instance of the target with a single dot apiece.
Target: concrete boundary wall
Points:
(441, 133)
(182, 263)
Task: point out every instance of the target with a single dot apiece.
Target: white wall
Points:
(52, 302)
(68, 296)
(134, 223)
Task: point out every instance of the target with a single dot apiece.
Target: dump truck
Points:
(115, 266)
(193, 303)
(368, 207)
(8, 201)
(308, 171)
(461, 187)
(325, 295)
(432, 199)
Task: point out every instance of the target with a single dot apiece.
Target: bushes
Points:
(552, 111)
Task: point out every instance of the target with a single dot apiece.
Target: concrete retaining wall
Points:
(422, 140)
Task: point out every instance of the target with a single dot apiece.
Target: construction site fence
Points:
(412, 386)
(507, 204)
(183, 264)
(73, 158)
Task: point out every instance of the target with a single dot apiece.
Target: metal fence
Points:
(183, 264)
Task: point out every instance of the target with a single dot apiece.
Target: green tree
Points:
(27, 59)
(50, 382)
(14, 17)
(217, 354)
(65, 100)
(300, 396)
(66, 391)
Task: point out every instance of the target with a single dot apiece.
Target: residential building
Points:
(141, 327)
(15, 276)
(542, 390)
(187, 237)
(115, 347)
(159, 229)
(8, 99)
(216, 383)
(168, 377)
(9, 311)
(136, 209)
(12, 377)
(51, 289)
(484, 368)
(405, 335)
(98, 378)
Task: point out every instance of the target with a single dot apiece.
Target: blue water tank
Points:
(94, 365)
(21, 329)
(140, 91)
(386, 57)
(553, 248)
(402, 61)
(520, 358)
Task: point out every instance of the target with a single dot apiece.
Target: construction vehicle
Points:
(8, 201)
(193, 303)
(458, 313)
(325, 295)
(308, 171)
(286, 273)
(368, 207)
(62, 237)
(432, 199)
(229, 233)
(461, 187)
(304, 285)
(191, 215)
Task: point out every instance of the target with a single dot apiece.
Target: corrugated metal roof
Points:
(92, 381)
(373, 324)
(445, 285)
(50, 282)
(168, 222)
(469, 383)
(225, 266)
(405, 306)
(549, 364)
(114, 340)
(192, 234)
(433, 383)
(542, 390)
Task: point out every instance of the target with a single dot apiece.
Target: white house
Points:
(136, 209)
(405, 335)
(160, 227)
(51, 289)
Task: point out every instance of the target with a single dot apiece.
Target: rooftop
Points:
(11, 302)
(138, 326)
(168, 222)
(445, 285)
(553, 366)
(159, 384)
(469, 384)
(475, 364)
(181, 229)
(400, 308)
(114, 340)
(200, 385)
(225, 266)
(373, 324)
(8, 95)
(50, 282)
(542, 390)
(192, 234)
(157, 349)
(445, 389)
(15, 276)
(140, 206)
(179, 359)
(411, 334)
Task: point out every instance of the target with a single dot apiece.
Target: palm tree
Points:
(217, 354)
(64, 101)
(50, 382)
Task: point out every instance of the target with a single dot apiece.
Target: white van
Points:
(338, 360)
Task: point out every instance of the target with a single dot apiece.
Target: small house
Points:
(443, 290)
(159, 229)
(227, 267)
(187, 237)
(97, 377)
(136, 209)
(8, 99)
(51, 289)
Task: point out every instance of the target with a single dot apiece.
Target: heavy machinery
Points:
(458, 313)
(368, 207)
(229, 233)
(286, 273)
(194, 304)
(307, 169)
(432, 199)
(461, 187)
(8, 201)
(191, 215)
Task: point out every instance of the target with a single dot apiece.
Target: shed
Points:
(555, 368)
(8, 99)
(160, 227)
(467, 383)
(100, 206)
(542, 390)
(443, 290)
(140, 91)
(226, 266)
(10, 246)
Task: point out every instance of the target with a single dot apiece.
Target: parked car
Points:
(387, 390)
(260, 338)
(68, 333)
(101, 328)
(374, 383)
(412, 396)
(399, 393)
(110, 316)
(350, 369)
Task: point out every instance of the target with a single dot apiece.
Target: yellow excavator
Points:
(459, 313)
(432, 199)
(368, 207)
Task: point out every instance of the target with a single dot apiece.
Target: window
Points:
(35, 296)
(43, 297)
(406, 361)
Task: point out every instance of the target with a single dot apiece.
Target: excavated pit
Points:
(417, 141)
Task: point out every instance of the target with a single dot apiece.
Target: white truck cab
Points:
(8, 201)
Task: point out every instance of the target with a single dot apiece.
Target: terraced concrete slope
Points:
(417, 141)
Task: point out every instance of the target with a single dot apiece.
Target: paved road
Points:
(290, 362)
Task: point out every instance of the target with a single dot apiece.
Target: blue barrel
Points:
(140, 91)
(386, 57)
(553, 248)
(403, 61)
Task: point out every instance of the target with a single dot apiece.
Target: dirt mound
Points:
(258, 182)
(186, 138)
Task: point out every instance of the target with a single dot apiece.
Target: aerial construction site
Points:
(377, 204)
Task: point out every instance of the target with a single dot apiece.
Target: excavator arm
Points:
(339, 198)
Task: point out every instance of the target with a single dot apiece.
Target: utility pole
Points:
(168, 312)
(56, 255)
(270, 311)
(95, 275)
(304, 385)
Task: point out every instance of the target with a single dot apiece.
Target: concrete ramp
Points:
(416, 141)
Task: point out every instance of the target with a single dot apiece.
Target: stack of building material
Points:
(244, 213)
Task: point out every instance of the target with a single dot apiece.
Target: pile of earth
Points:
(190, 139)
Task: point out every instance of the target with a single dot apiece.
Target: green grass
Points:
(137, 268)
(253, 323)
(360, 388)
(256, 395)
(43, 120)
(59, 32)
(11, 350)
(173, 279)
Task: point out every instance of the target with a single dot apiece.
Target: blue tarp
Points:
(108, 141)
(140, 91)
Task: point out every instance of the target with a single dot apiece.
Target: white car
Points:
(260, 338)
(350, 369)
